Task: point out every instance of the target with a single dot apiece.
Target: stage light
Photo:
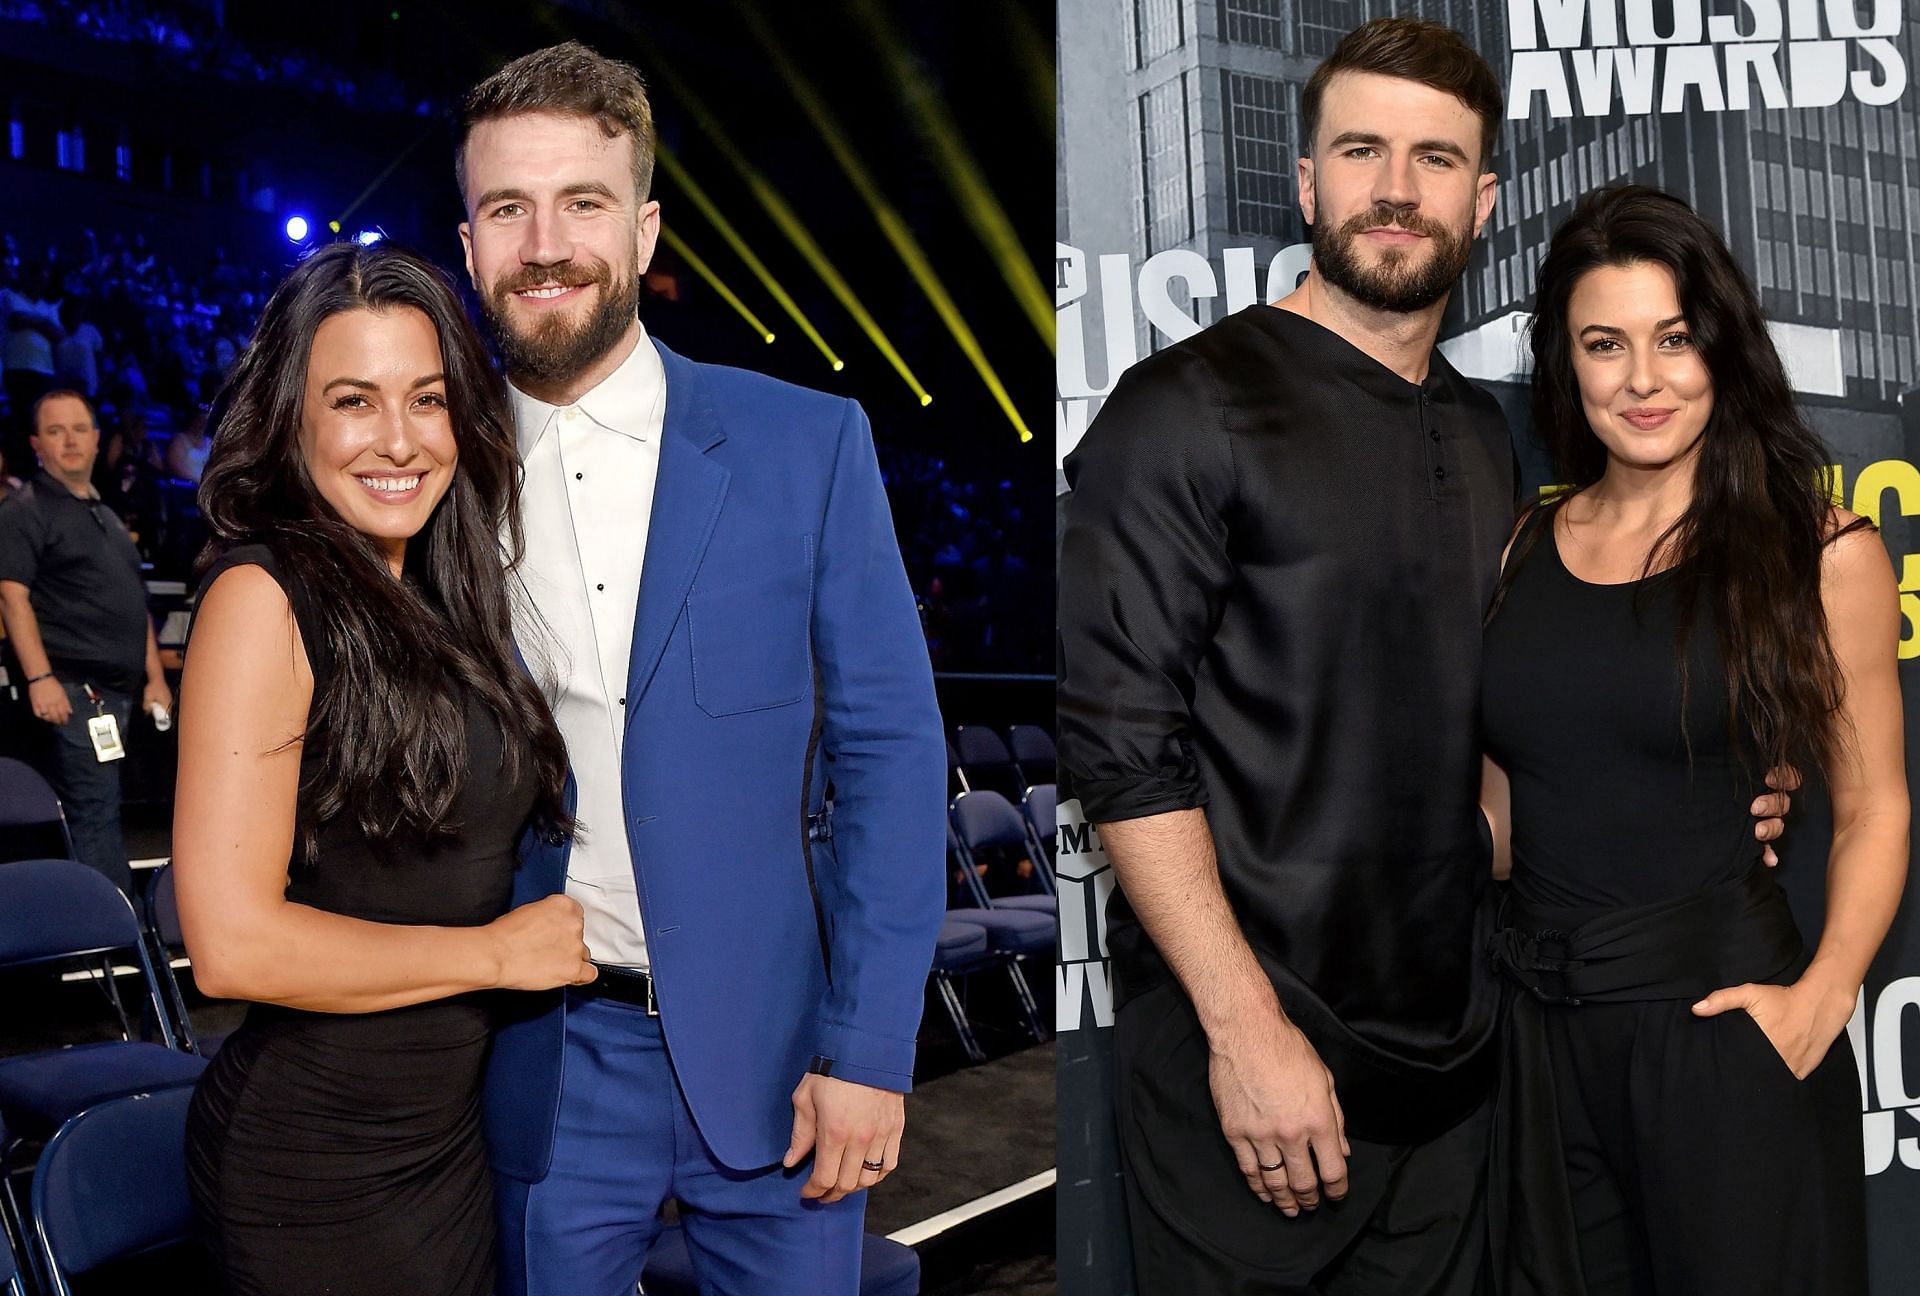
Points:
(946, 148)
(334, 225)
(367, 238)
(705, 271)
(296, 229)
(790, 225)
(892, 225)
(698, 196)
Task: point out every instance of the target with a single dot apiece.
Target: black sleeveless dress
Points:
(341, 1152)
(1640, 1149)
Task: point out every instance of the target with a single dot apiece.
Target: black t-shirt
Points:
(1273, 572)
(82, 575)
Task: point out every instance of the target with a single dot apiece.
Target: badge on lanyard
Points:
(104, 730)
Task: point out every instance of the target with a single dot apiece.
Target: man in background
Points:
(75, 608)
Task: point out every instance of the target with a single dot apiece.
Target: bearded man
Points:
(715, 597)
(1282, 535)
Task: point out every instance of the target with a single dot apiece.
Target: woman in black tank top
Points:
(1678, 1112)
(359, 754)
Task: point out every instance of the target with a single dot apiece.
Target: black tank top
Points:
(1581, 705)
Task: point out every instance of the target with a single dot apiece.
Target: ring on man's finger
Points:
(1270, 1168)
(873, 1165)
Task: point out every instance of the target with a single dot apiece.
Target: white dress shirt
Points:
(586, 501)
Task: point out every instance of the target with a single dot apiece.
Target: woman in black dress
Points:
(359, 754)
(1678, 1112)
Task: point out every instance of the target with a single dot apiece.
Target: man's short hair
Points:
(1412, 49)
(64, 393)
(571, 79)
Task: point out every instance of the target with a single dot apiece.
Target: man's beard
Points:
(556, 350)
(1395, 283)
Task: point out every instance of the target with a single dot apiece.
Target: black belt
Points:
(1557, 960)
(623, 985)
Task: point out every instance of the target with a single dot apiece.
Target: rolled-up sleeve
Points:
(1144, 575)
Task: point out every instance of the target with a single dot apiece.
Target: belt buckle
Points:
(653, 1005)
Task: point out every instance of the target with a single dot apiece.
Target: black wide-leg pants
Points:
(1698, 1165)
(1412, 1224)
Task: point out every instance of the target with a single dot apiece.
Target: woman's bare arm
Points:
(1867, 866)
(243, 704)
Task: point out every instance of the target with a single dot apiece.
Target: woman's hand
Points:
(542, 944)
(1801, 1021)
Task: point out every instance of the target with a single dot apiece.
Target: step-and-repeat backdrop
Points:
(1792, 124)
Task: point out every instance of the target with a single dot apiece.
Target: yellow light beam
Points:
(791, 225)
(944, 141)
(672, 166)
(692, 258)
(891, 224)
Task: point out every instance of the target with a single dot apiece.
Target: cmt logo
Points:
(1082, 982)
(1874, 486)
(1889, 1088)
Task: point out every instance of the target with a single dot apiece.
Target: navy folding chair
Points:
(1012, 933)
(162, 920)
(28, 801)
(963, 947)
(1042, 811)
(12, 1281)
(887, 1268)
(986, 762)
(55, 910)
(986, 821)
(1032, 749)
(112, 1183)
(956, 777)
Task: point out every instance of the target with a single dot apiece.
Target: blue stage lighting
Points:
(367, 238)
(296, 228)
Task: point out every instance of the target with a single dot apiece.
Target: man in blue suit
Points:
(714, 596)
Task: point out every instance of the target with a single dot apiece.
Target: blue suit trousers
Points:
(625, 1145)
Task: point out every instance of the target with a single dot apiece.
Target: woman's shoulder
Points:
(258, 559)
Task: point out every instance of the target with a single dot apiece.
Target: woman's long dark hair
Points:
(1750, 544)
(388, 719)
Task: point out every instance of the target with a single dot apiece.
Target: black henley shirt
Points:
(1275, 562)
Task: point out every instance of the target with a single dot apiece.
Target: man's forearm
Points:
(23, 628)
(1165, 863)
(156, 673)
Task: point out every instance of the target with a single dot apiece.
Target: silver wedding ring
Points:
(1275, 1166)
(874, 1165)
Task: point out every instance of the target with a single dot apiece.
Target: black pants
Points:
(1698, 1164)
(89, 787)
(1412, 1224)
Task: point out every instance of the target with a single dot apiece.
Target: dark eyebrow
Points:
(1376, 141)
(364, 384)
(1618, 332)
(492, 196)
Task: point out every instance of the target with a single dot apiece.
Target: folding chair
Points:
(956, 777)
(986, 762)
(1012, 933)
(28, 801)
(962, 948)
(161, 915)
(1042, 811)
(12, 1281)
(52, 910)
(112, 1183)
(887, 1268)
(987, 821)
(1032, 749)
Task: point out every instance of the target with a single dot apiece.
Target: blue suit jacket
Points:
(776, 647)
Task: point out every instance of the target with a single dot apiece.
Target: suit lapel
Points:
(686, 503)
